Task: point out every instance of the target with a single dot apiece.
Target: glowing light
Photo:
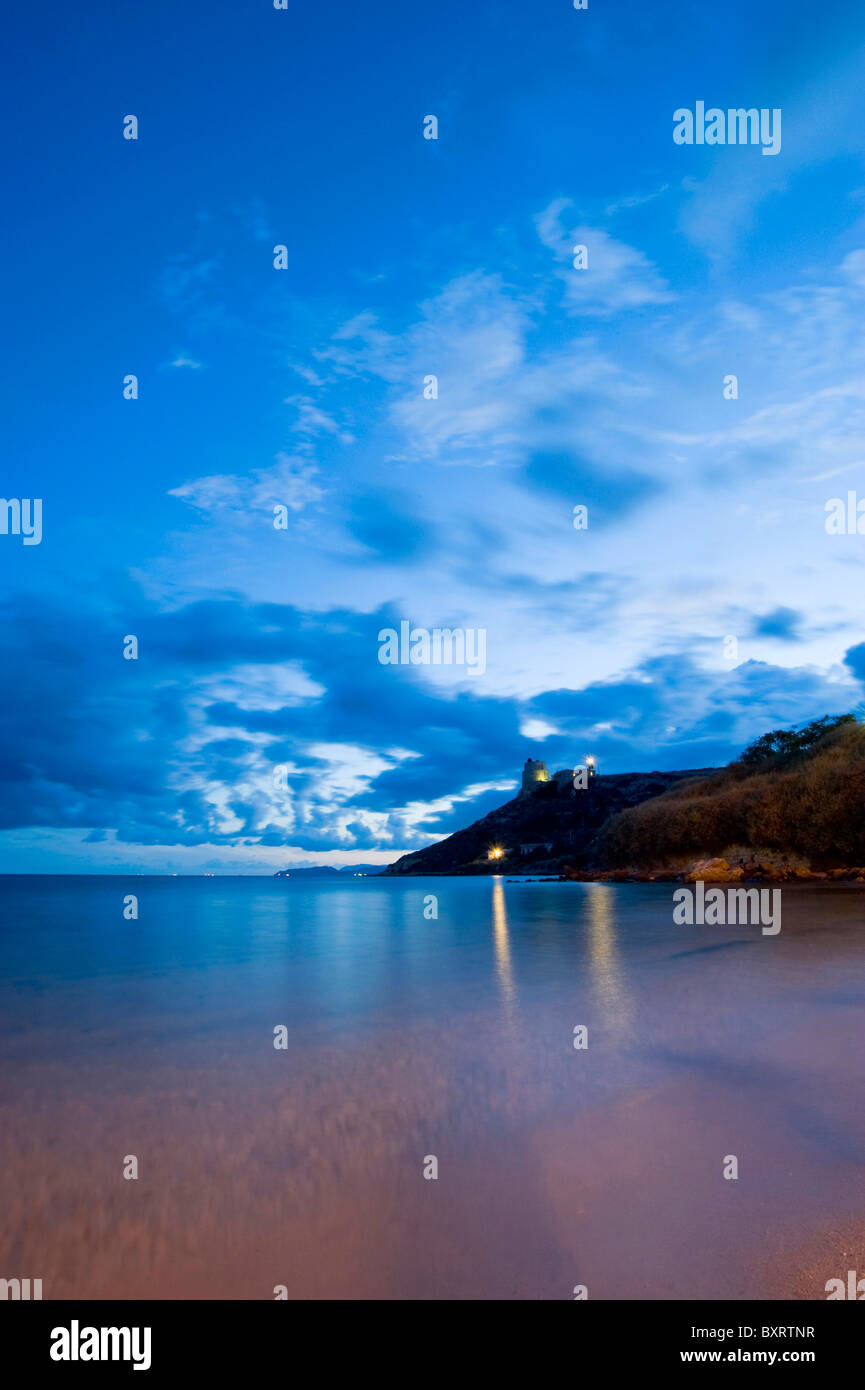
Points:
(495, 852)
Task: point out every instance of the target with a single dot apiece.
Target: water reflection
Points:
(608, 977)
(501, 940)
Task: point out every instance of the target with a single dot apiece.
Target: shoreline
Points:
(720, 870)
(708, 870)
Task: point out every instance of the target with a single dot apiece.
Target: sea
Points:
(426, 1088)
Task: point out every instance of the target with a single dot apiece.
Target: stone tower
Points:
(533, 772)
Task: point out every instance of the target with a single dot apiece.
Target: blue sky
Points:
(303, 387)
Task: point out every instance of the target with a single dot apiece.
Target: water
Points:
(410, 1037)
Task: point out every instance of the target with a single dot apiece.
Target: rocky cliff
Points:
(560, 822)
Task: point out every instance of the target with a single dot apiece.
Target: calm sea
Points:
(426, 1019)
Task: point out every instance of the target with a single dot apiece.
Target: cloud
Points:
(388, 527)
(289, 483)
(313, 421)
(713, 714)
(853, 266)
(500, 396)
(185, 279)
(259, 725)
(618, 276)
(782, 624)
(820, 123)
(634, 200)
(854, 659)
(534, 414)
(272, 727)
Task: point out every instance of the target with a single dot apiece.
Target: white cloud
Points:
(313, 421)
(539, 729)
(618, 276)
(738, 491)
(289, 483)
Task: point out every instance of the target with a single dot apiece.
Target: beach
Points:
(302, 1168)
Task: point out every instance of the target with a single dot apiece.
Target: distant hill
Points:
(327, 871)
(542, 830)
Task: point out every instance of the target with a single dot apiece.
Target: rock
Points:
(773, 874)
(713, 871)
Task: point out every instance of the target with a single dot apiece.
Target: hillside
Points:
(793, 793)
(795, 796)
(550, 815)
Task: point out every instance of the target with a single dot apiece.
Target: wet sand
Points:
(312, 1178)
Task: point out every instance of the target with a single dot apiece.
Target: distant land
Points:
(327, 871)
(791, 806)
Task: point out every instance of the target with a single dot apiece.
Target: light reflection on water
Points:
(502, 943)
(608, 977)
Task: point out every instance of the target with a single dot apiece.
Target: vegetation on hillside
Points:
(799, 791)
(784, 743)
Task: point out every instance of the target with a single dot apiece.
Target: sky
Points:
(257, 726)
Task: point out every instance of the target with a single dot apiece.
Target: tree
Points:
(782, 743)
